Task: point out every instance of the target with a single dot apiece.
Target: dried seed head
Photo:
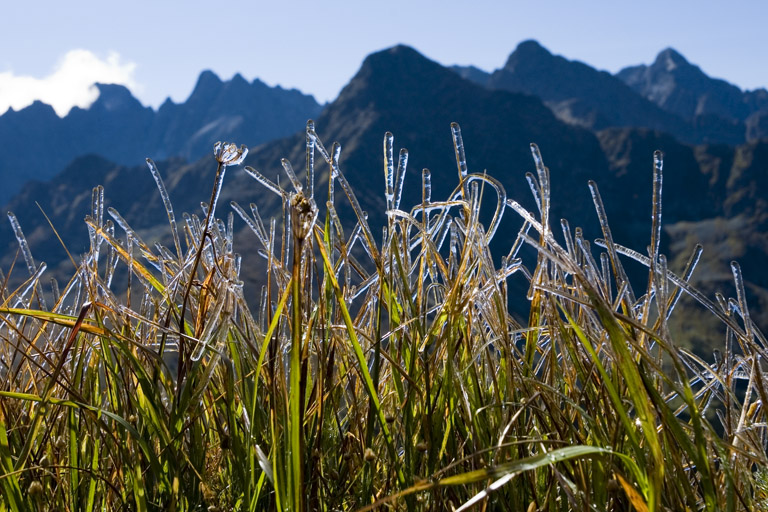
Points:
(390, 418)
(303, 215)
(35, 488)
(227, 153)
(60, 443)
(369, 455)
(421, 446)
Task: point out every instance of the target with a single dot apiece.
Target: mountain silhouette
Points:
(37, 143)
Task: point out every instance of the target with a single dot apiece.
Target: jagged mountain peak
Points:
(394, 59)
(682, 88)
(114, 97)
(670, 59)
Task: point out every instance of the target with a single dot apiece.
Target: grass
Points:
(375, 372)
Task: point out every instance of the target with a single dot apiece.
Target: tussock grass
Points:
(378, 371)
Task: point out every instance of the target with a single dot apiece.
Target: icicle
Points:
(567, 235)
(287, 240)
(112, 256)
(461, 159)
(97, 215)
(230, 233)
(618, 269)
(319, 144)
(738, 280)
(426, 185)
(534, 186)
(167, 202)
(662, 291)
(402, 164)
(658, 164)
(543, 174)
(448, 229)
(253, 173)
(310, 138)
(335, 221)
(288, 168)
(389, 171)
(605, 265)
(687, 273)
(55, 293)
(146, 251)
(334, 162)
(369, 245)
(474, 198)
(33, 282)
(23, 245)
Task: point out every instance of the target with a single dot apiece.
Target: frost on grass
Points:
(399, 353)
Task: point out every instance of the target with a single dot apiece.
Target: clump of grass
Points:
(375, 372)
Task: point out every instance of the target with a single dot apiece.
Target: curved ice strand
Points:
(501, 200)
(544, 187)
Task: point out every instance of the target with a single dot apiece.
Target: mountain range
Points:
(713, 192)
(37, 143)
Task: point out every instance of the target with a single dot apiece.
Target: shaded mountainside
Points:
(682, 88)
(711, 191)
(578, 93)
(37, 143)
(712, 196)
(584, 96)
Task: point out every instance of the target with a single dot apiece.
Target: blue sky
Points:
(55, 50)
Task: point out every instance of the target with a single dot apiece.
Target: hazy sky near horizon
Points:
(54, 51)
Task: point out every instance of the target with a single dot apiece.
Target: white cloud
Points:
(70, 84)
